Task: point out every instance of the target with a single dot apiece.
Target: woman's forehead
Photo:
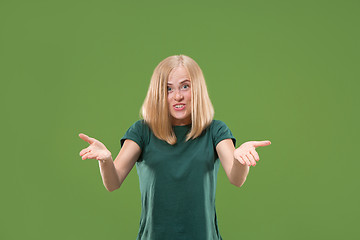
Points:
(178, 74)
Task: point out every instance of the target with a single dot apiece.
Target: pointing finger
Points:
(261, 143)
(86, 138)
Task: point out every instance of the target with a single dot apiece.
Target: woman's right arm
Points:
(113, 173)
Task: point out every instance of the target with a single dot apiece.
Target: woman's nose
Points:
(178, 96)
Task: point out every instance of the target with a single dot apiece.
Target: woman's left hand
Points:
(246, 153)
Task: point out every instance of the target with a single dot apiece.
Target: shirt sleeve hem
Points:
(232, 138)
(130, 138)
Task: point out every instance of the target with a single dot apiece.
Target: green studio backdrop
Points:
(284, 71)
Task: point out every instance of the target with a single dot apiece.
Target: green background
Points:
(284, 71)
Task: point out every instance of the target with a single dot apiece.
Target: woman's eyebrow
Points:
(180, 82)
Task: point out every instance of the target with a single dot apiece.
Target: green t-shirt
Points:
(178, 182)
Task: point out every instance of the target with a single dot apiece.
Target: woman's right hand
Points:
(96, 150)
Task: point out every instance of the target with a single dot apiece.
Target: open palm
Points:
(96, 150)
(246, 153)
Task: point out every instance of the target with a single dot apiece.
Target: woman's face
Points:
(179, 96)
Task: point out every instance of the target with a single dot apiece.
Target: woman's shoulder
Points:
(140, 124)
(216, 121)
(220, 131)
(138, 132)
(139, 127)
(217, 124)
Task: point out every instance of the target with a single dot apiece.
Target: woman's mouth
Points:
(179, 107)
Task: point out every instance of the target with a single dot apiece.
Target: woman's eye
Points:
(186, 86)
(169, 89)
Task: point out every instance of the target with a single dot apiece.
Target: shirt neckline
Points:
(179, 126)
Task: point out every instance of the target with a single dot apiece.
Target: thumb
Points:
(86, 138)
(261, 143)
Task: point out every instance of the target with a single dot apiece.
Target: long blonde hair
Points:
(155, 109)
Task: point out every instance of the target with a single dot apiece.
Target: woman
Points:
(176, 147)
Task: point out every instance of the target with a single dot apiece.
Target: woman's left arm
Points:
(236, 162)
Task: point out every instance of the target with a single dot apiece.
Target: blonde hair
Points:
(155, 110)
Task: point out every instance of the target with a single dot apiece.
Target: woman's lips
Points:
(179, 108)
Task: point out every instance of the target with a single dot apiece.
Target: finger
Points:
(255, 155)
(85, 150)
(86, 138)
(251, 159)
(261, 143)
(246, 160)
(85, 156)
(89, 156)
(240, 160)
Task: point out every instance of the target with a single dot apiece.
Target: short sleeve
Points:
(220, 131)
(135, 133)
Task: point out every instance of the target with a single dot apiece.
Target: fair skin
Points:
(236, 162)
(179, 94)
(113, 173)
